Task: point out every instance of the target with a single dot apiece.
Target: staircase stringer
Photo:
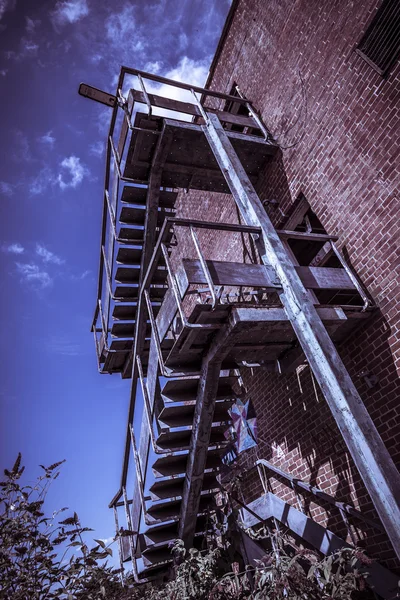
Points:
(369, 453)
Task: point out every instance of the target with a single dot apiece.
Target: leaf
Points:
(100, 542)
(17, 463)
(125, 533)
(68, 521)
(55, 465)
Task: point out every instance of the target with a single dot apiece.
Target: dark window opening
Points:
(315, 253)
(380, 45)
(241, 110)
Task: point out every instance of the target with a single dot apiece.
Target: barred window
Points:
(380, 45)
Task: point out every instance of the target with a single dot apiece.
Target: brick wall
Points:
(335, 120)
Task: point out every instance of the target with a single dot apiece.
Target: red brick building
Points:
(336, 120)
(324, 79)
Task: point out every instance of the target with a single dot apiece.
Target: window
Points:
(380, 45)
(241, 110)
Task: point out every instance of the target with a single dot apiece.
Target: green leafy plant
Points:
(46, 557)
(43, 557)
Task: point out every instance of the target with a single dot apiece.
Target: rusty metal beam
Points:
(201, 430)
(369, 453)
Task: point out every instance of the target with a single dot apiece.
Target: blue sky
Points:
(53, 402)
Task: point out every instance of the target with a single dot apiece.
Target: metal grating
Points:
(380, 45)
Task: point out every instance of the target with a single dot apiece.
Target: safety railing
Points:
(126, 107)
(266, 469)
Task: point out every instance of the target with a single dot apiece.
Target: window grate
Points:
(380, 45)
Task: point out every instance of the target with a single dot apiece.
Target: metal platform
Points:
(295, 302)
(189, 161)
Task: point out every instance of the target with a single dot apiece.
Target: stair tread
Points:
(130, 215)
(131, 293)
(132, 234)
(174, 465)
(177, 414)
(126, 329)
(129, 256)
(186, 389)
(166, 510)
(132, 275)
(180, 439)
(138, 195)
(172, 487)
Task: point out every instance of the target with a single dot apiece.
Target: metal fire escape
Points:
(181, 324)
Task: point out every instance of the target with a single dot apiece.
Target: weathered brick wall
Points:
(336, 121)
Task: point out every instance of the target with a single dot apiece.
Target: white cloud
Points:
(22, 150)
(103, 121)
(28, 49)
(187, 71)
(69, 11)
(33, 275)
(153, 67)
(97, 149)
(7, 189)
(96, 58)
(120, 25)
(76, 172)
(190, 71)
(15, 248)
(47, 256)
(42, 181)
(31, 24)
(48, 139)
(6, 5)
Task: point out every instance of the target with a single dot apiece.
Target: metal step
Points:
(180, 414)
(179, 439)
(129, 256)
(131, 234)
(179, 390)
(136, 216)
(132, 275)
(127, 329)
(157, 536)
(156, 557)
(125, 293)
(134, 236)
(132, 256)
(138, 195)
(171, 487)
(166, 510)
(176, 465)
(127, 312)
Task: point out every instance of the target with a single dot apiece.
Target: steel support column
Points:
(369, 453)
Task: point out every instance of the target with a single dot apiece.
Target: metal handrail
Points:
(298, 483)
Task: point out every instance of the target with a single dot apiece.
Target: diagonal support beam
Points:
(201, 430)
(369, 453)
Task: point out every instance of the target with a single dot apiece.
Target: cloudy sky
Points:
(53, 403)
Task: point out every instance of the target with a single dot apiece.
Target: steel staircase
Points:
(181, 325)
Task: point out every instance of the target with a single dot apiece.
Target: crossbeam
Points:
(369, 453)
(250, 275)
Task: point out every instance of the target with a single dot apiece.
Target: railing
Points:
(298, 486)
(114, 175)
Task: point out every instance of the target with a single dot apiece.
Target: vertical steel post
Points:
(369, 453)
